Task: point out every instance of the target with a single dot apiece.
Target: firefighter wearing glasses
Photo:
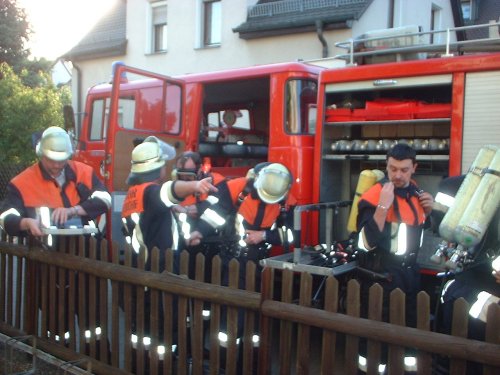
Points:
(189, 166)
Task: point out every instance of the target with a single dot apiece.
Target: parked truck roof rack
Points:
(409, 42)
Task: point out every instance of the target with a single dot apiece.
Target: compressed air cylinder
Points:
(465, 192)
(367, 178)
(481, 208)
(380, 175)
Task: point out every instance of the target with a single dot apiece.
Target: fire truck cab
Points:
(237, 118)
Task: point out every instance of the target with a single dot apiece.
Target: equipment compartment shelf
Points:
(390, 122)
(353, 156)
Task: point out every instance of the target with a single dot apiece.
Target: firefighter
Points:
(68, 188)
(248, 210)
(147, 208)
(189, 167)
(147, 215)
(249, 216)
(477, 280)
(391, 219)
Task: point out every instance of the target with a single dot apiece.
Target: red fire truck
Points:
(237, 118)
(326, 133)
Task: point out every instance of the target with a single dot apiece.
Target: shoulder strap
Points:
(243, 194)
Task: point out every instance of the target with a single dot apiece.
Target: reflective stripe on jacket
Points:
(257, 214)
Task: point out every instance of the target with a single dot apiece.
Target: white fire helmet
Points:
(150, 155)
(273, 183)
(55, 144)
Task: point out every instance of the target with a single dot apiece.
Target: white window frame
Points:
(150, 32)
(200, 25)
(436, 23)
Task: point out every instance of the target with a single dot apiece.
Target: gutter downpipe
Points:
(78, 95)
(319, 31)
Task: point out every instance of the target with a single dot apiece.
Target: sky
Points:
(59, 25)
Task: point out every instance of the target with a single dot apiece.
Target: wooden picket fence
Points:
(59, 295)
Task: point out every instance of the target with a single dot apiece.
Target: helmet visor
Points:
(272, 185)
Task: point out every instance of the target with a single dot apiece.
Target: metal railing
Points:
(387, 44)
(284, 7)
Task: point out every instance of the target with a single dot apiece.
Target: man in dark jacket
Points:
(391, 219)
(476, 278)
(148, 218)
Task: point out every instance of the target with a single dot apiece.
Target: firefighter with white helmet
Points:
(147, 215)
(273, 183)
(146, 211)
(248, 208)
(68, 188)
(248, 216)
(57, 185)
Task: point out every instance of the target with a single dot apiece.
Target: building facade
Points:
(175, 37)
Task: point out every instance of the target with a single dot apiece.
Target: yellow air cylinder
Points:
(367, 178)
(465, 192)
(380, 175)
(481, 208)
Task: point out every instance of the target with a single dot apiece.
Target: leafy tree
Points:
(25, 110)
(14, 33)
(29, 102)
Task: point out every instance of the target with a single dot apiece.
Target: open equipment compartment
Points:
(363, 119)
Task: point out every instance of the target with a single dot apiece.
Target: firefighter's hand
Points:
(386, 195)
(32, 226)
(254, 237)
(205, 186)
(195, 238)
(192, 211)
(61, 214)
(426, 201)
(178, 209)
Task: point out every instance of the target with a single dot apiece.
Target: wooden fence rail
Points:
(80, 302)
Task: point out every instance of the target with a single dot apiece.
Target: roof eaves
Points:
(100, 50)
(277, 24)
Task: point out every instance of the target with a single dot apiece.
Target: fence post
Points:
(264, 363)
(31, 295)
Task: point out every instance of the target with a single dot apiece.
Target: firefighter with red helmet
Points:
(68, 188)
(391, 219)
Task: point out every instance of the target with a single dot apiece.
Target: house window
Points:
(435, 23)
(158, 26)
(212, 22)
(466, 9)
